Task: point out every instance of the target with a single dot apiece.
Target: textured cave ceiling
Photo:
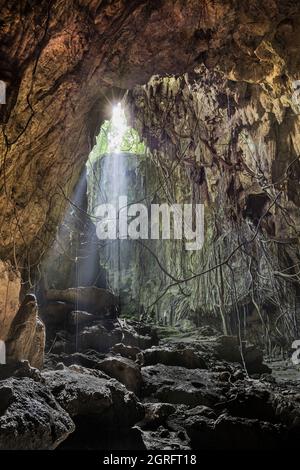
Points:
(64, 61)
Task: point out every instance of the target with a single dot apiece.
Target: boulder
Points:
(124, 370)
(252, 401)
(173, 356)
(97, 337)
(30, 417)
(20, 369)
(164, 439)
(228, 348)
(92, 299)
(224, 432)
(156, 415)
(131, 338)
(89, 359)
(173, 384)
(26, 337)
(85, 393)
(56, 312)
(101, 339)
(37, 350)
(130, 352)
(138, 334)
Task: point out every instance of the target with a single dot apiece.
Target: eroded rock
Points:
(91, 299)
(124, 370)
(173, 384)
(26, 337)
(173, 356)
(84, 392)
(30, 417)
(124, 350)
(10, 285)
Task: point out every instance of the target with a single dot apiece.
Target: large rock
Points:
(131, 352)
(19, 370)
(124, 370)
(89, 359)
(26, 337)
(30, 417)
(228, 348)
(10, 285)
(172, 384)
(97, 337)
(164, 439)
(221, 347)
(37, 350)
(102, 339)
(85, 393)
(56, 313)
(209, 432)
(92, 299)
(156, 415)
(173, 356)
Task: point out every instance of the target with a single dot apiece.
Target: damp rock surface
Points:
(105, 400)
(30, 417)
(84, 392)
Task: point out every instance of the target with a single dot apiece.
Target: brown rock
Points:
(37, 350)
(173, 356)
(84, 392)
(10, 285)
(92, 299)
(56, 313)
(30, 417)
(124, 370)
(26, 337)
(130, 352)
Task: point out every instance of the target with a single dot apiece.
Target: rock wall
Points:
(240, 158)
(10, 286)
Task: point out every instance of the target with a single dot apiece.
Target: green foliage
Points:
(131, 142)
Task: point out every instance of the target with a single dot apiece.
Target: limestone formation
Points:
(26, 337)
(30, 418)
(92, 299)
(83, 392)
(10, 285)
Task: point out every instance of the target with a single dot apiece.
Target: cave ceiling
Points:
(65, 61)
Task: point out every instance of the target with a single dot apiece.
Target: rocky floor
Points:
(112, 384)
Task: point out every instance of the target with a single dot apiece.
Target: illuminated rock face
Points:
(10, 285)
(26, 337)
(238, 154)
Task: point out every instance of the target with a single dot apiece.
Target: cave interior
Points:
(124, 326)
